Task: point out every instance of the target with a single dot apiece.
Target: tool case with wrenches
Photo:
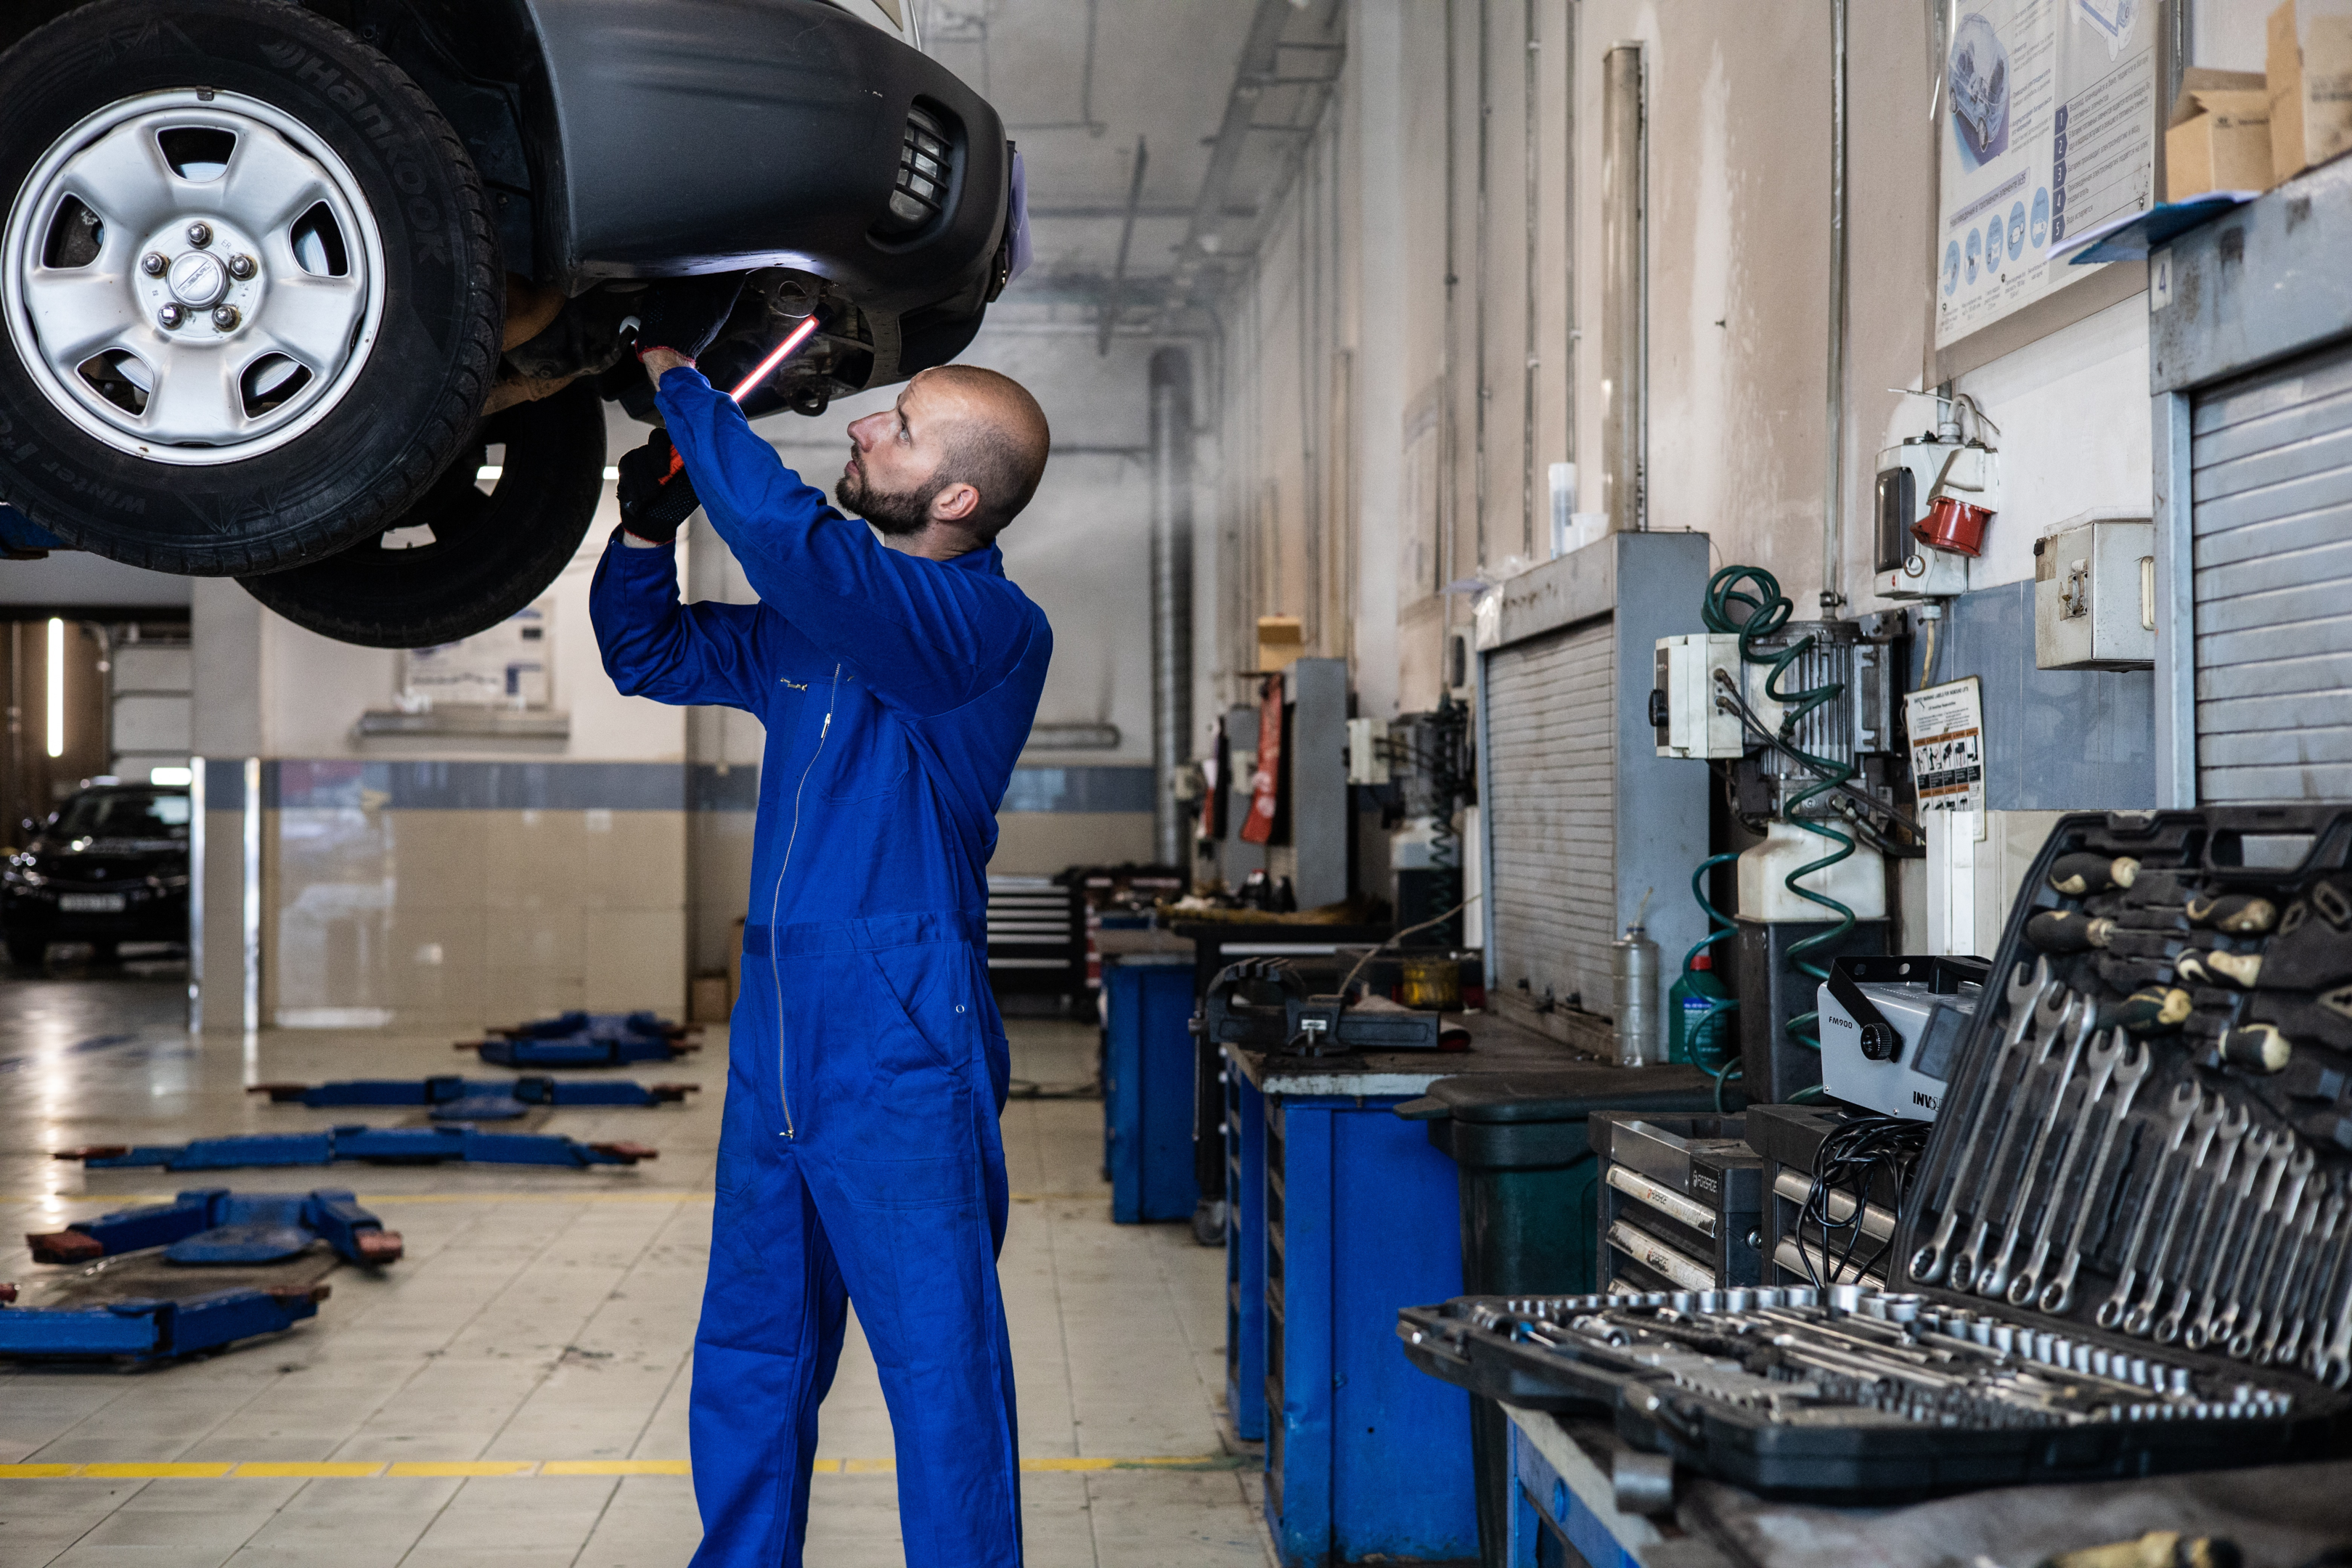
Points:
(2128, 1246)
(1680, 1202)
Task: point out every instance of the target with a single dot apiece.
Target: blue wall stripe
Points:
(2055, 740)
(334, 784)
(294, 784)
(736, 788)
(1101, 788)
(225, 783)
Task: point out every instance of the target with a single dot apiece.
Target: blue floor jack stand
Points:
(215, 1226)
(374, 1145)
(457, 1099)
(586, 1040)
(148, 1330)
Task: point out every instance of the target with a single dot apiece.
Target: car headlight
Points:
(24, 876)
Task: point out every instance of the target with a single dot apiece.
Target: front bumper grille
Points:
(919, 196)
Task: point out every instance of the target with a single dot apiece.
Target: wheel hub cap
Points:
(198, 280)
(265, 308)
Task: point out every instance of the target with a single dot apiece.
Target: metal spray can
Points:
(1634, 968)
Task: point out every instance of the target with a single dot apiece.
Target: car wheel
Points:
(460, 561)
(247, 321)
(28, 951)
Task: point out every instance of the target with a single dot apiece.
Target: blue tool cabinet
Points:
(1343, 1214)
(1147, 1091)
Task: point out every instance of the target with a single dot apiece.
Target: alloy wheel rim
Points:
(193, 277)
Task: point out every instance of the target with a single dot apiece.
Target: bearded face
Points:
(896, 515)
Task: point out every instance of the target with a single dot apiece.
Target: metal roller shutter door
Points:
(2270, 456)
(1551, 727)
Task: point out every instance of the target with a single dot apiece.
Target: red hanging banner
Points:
(1264, 783)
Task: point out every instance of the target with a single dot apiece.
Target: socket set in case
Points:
(2128, 1246)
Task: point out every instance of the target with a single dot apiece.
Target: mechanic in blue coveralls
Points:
(860, 1158)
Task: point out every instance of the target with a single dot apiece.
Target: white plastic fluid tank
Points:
(1858, 881)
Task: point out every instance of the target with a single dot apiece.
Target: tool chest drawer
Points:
(1680, 1199)
(2126, 1248)
(1796, 1252)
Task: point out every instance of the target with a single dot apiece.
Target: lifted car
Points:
(329, 297)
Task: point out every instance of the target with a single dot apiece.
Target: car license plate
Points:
(89, 903)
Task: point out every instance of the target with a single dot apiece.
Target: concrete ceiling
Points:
(1080, 82)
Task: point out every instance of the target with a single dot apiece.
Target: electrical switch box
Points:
(1367, 752)
(1683, 704)
(2094, 595)
(1908, 475)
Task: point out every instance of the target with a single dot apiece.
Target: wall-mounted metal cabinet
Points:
(1584, 821)
(2250, 366)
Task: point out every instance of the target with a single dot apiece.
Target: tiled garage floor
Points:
(514, 1392)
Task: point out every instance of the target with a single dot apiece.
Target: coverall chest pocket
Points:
(870, 756)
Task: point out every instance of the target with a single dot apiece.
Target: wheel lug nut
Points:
(225, 317)
(153, 264)
(171, 316)
(200, 235)
(240, 266)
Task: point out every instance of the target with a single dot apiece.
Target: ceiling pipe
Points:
(1834, 478)
(1171, 595)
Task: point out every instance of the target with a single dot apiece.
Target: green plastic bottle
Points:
(1688, 1038)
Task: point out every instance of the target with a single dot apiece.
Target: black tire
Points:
(490, 556)
(28, 952)
(436, 349)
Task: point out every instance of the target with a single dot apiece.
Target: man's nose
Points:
(860, 432)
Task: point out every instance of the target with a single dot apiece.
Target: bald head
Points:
(995, 439)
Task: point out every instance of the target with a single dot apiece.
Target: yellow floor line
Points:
(347, 1469)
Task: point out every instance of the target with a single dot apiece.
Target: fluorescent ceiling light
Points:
(56, 687)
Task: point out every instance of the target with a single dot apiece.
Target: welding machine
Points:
(1892, 1026)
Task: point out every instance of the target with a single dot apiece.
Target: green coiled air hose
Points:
(1726, 1067)
(1768, 610)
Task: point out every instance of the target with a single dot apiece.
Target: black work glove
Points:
(684, 314)
(656, 496)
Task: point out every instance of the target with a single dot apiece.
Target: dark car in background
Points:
(330, 297)
(109, 866)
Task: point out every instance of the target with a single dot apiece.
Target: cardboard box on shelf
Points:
(2220, 136)
(2310, 77)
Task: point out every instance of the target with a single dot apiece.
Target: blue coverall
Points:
(860, 1157)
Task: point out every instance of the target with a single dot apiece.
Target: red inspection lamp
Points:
(784, 352)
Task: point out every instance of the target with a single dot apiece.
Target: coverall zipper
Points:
(775, 903)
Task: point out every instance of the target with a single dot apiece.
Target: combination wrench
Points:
(2059, 1294)
(2077, 1024)
(2242, 1309)
(2024, 992)
(2050, 1014)
(2271, 1299)
(2310, 1274)
(2187, 1106)
(2117, 1311)
(2331, 1325)
(2205, 1189)
(2234, 1177)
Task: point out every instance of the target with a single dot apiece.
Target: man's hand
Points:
(685, 314)
(656, 495)
(659, 363)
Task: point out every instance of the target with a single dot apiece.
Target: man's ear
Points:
(955, 504)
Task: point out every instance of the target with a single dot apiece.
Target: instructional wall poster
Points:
(505, 667)
(1947, 728)
(2049, 123)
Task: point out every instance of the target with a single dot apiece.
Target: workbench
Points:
(2279, 1515)
(1342, 1213)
